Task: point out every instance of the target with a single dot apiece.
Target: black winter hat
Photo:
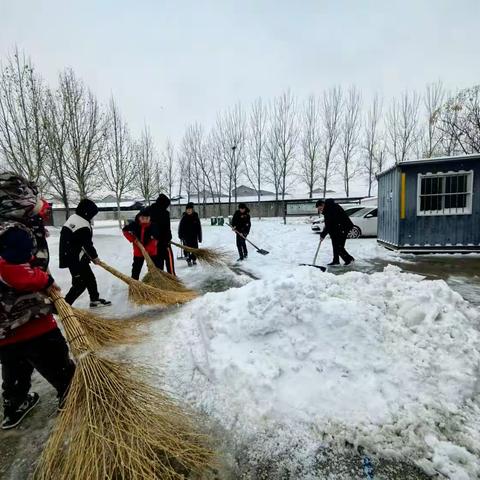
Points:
(16, 246)
(189, 205)
(242, 205)
(163, 201)
(320, 203)
(145, 212)
(86, 209)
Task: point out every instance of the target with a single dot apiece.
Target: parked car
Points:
(365, 223)
(317, 225)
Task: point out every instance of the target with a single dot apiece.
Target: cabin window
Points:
(445, 193)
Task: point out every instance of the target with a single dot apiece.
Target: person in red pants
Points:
(160, 216)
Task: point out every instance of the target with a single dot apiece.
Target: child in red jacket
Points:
(29, 336)
(144, 231)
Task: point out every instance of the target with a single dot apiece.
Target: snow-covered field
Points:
(289, 361)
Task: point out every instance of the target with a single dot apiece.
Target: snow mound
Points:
(388, 361)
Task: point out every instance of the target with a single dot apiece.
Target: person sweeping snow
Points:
(161, 217)
(337, 225)
(190, 231)
(145, 232)
(77, 251)
(29, 336)
(241, 225)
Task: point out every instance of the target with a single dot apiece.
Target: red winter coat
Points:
(146, 233)
(25, 278)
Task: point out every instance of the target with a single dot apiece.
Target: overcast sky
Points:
(169, 63)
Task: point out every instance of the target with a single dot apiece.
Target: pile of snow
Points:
(388, 361)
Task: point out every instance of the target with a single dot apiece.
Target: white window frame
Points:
(446, 211)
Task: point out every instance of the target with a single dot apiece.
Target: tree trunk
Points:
(119, 214)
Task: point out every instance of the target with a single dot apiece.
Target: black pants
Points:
(193, 243)
(242, 246)
(138, 264)
(48, 354)
(82, 279)
(165, 259)
(338, 245)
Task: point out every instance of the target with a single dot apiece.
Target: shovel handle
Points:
(318, 249)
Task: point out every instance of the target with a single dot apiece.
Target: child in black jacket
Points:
(241, 224)
(190, 231)
(76, 252)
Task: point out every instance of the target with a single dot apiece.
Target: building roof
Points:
(424, 161)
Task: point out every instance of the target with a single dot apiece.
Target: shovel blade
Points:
(323, 269)
(262, 252)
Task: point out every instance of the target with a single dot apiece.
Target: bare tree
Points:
(433, 102)
(56, 124)
(331, 110)
(230, 132)
(349, 138)
(254, 161)
(311, 145)
(145, 162)
(286, 132)
(118, 165)
(170, 167)
(86, 137)
(460, 121)
(402, 126)
(274, 165)
(372, 141)
(23, 135)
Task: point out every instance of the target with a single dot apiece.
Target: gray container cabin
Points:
(432, 205)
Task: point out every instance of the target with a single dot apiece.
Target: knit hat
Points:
(163, 201)
(320, 203)
(190, 205)
(18, 197)
(242, 206)
(86, 209)
(16, 245)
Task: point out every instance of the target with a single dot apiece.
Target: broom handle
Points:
(115, 272)
(148, 259)
(73, 331)
(184, 247)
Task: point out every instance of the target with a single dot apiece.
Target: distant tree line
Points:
(64, 139)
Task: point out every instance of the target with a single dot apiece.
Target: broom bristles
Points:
(206, 255)
(158, 278)
(143, 294)
(105, 332)
(116, 425)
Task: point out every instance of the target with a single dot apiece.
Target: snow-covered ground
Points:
(289, 361)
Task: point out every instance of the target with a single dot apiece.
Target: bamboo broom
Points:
(205, 255)
(143, 294)
(158, 278)
(116, 426)
(105, 332)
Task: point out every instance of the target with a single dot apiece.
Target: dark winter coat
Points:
(337, 222)
(25, 312)
(241, 222)
(146, 233)
(190, 228)
(160, 216)
(76, 237)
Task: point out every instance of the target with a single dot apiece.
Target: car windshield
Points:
(350, 211)
(360, 213)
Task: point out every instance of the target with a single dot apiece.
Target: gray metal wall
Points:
(389, 207)
(440, 230)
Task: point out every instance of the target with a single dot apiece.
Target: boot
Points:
(13, 419)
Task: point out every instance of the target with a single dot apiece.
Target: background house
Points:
(430, 205)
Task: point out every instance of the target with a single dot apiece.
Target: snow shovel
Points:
(323, 269)
(261, 251)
